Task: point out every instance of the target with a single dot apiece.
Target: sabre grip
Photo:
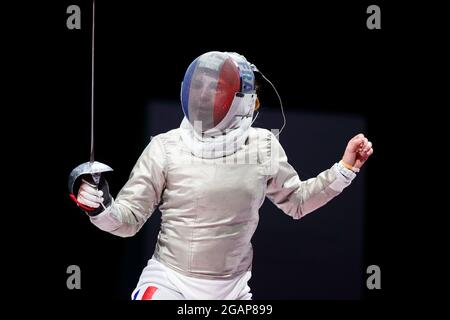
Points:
(89, 199)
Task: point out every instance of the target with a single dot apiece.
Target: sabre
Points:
(92, 167)
(91, 158)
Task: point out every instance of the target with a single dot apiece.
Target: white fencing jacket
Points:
(210, 206)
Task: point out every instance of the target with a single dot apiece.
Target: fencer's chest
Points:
(222, 188)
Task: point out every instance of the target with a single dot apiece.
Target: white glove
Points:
(91, 198)
(89, 195)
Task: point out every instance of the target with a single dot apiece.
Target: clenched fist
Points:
(358, 150)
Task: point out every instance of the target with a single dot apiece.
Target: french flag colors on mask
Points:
(210, 85)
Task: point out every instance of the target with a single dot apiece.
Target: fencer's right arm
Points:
(139, 197)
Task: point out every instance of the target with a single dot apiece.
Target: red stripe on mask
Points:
(227, 86)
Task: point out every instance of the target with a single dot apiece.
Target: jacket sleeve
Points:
(140, 195)
(298, 198)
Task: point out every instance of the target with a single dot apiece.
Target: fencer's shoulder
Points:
(167, 141)
(171, 135)
(262, 133)
(267, 140)
(161, 144)
(259, 131)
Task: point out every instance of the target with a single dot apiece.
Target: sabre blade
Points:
(92, 81)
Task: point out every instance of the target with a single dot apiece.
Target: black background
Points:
(320, 55)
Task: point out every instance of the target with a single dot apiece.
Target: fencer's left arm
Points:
(298, 198)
